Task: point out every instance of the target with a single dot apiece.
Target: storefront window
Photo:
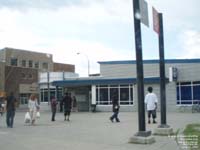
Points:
(188, 93)
(104, 96)
(105, 93)
(124, 96)
(196, 90)
(113, 91)
(44, 94)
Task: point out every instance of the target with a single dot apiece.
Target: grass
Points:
(192, 131)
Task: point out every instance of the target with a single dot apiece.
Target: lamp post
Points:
(88, 62)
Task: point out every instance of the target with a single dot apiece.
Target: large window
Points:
(37, 65)
(44, 94)
(188, 93)
(23, 63)
(24, 98)
(45, 65)
(124, 93)
(30, 64)
(13, 62)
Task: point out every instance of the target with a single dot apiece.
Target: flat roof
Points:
(196, 60)
(102, 81)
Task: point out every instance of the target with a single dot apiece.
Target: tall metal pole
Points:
(162, 73)
(139, 65)
(48, 87)
(88, 67)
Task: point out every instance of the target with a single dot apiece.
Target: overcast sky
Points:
(101, 30)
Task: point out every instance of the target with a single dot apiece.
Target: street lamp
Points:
(88, 61)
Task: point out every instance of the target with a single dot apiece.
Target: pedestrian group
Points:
(69, 103)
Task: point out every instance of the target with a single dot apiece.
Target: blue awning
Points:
(102, 81)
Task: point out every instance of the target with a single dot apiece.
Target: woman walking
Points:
(33, 108)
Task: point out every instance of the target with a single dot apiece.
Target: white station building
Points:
(119, 77)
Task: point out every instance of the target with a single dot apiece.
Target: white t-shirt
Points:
(150, 100)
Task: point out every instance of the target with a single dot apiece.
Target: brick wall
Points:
(58, 67)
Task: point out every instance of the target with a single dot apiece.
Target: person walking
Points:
(151, 104)
(115, 108)
(74, 104)
(53, 107)
(67, 102)
(10, 107)
(33, 108)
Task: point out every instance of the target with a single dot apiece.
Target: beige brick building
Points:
(19, 71)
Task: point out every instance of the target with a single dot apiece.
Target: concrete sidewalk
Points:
(87, 131)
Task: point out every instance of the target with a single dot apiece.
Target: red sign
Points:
(155, 21)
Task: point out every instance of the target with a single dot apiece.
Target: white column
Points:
(93, 94)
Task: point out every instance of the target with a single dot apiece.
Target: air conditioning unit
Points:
(173, 74)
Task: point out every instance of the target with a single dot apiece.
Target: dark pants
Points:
(53, 115)
(67, 113)
(152, 113)
(10, 118)
(115, 116)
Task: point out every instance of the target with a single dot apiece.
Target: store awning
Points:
(102, 81)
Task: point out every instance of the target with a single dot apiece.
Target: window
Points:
(124, 95)
(44, 94)
(23, 63)
(13, 62)
(24, 98)
(30, 63)
(188, 92)
(45, 65)
(105, 93)
(114, 91)
(196, 91)
(36, 65)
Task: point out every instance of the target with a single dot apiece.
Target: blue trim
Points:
(151, 61)
(85, 82)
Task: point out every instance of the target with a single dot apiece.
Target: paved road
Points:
(86, 131)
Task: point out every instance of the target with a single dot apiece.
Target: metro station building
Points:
(119, 77)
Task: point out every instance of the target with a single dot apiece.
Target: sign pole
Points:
(139, 65)
(162, 73)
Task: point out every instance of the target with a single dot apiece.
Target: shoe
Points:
(111, 119)
(149, 122)
(117, 121)
(154, 122)
(68, 120)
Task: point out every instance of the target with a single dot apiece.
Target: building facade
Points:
(21, 68)
(119, 77)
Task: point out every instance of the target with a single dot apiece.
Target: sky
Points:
(100, 30)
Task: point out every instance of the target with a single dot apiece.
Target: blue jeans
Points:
(115, 116)
(10, 118)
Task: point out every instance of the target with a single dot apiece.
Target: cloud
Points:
(66, 51)
(177, 14)
(191, 44)
(22, 5)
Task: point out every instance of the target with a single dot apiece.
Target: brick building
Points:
(20, 71)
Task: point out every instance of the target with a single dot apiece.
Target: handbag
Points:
(38, 114)
(27, 118)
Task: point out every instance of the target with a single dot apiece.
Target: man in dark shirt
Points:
(67, 102)
(10, 107)
(115, 108)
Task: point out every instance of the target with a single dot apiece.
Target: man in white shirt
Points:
(151, 103)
